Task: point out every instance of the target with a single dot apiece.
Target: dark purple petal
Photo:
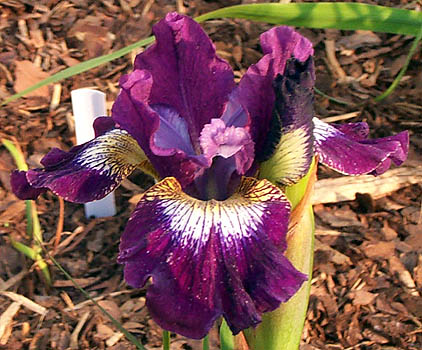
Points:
(255, 91)
(87, 172)
(102, 125)
(290, 140)
(350, 153)
(21, 187)
(187, 74)
(162, 137)
(210, 258)
(356, 131)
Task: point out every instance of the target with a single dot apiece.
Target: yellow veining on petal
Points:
(287, 165)
(115, 153)
(193, 220)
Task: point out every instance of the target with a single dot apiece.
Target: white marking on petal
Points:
(291, 158)
(191, 221)
(115, 154)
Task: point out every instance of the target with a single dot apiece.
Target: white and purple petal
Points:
(210, 258)
(87, 172)
(346, 149)
(288, 149)
(255, 91)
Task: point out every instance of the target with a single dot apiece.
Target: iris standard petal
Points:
(87, 172)
(160, 130)
(255, 91)
(210, 258)
(289, 144)
(188, 76)
(346, 149)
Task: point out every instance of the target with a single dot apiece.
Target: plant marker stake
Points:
(87, 105)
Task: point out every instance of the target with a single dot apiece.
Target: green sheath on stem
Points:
(282, 328)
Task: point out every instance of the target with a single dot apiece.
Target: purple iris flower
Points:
(212, 232)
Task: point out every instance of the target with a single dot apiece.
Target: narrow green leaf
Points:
(336, 100)
(116, 323)
(226, 337)
(24, 249)
(351, 16)
(206, 343)
(44, 268)
(166, 340)
(397, 80)
(339, 15)
(33, 223)
(33, 226)
(17, 155)
(80, 68)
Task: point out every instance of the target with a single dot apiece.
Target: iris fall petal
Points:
(346, 149)
(210, 258)
(87, 172)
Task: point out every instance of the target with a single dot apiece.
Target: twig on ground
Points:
(28, 303)
(6, 319)
(75, 334)
(345, 188)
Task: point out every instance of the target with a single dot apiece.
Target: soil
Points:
(367, 278)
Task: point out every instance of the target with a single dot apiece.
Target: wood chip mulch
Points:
(367, 279)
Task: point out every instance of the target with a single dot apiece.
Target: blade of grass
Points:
(16, 153)
(397, 80)
(339, 15)
(341, 102)
(116, 323)
(351, 16)
(24, 249)
(80, 68)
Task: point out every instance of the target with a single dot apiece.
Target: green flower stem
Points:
(166, 340)
(282, 328)
(206, 343)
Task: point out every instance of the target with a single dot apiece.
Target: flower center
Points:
(229, 150)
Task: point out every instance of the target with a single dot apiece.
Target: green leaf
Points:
(116, 323)
(17, 155)
(351, 16)
(33, 226)
(226, 337)
(397, 80)
(206, 343)
(80, 68)
(339, 15)
(24, 249)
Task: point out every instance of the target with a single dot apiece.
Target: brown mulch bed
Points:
(367, 278)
